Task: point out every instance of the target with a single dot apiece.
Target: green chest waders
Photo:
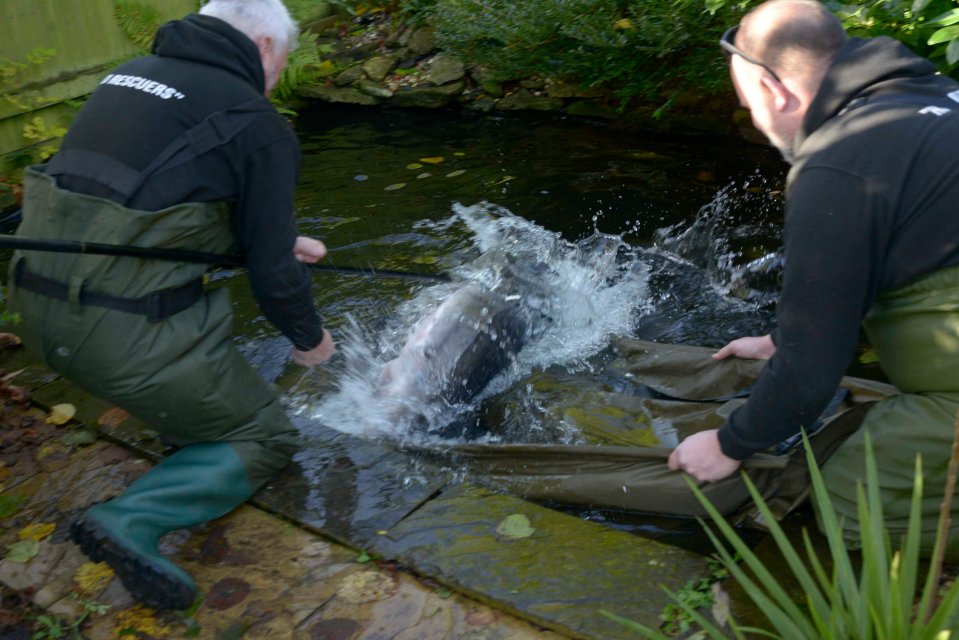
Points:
(915, 331)
(91, 318)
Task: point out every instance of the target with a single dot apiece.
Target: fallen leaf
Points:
(425, 174)
(459, 153)
(9, 341)
(227, 593)
(80, 437)
(394, 187)
(139, 621)
(61, 413)
(361, 178)
(453, 174)
(367, 586)
(414, 165)
(22, 551)
(433, 160)
(515, 527)
(721, 605)
(36, 532)
(113, 417)
(10, 504)
(93, 577)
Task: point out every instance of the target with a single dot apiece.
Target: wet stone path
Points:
(346, 553)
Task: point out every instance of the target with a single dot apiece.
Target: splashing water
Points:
(577, 296)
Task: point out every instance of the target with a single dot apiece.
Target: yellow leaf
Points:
(625, 24)
(435, 160)
(93, 577)
(414, 165)
(61, 413)
(140, 619)
(394, 187)
(36, 532)
(326, 68)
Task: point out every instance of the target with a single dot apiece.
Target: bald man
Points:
(871, 239)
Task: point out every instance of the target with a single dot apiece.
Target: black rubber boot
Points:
(198, 483)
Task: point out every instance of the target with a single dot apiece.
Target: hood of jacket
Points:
(864, 68)
(211, 41)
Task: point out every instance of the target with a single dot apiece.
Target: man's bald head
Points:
(797, 38)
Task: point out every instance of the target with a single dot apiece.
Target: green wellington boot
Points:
(197, 483)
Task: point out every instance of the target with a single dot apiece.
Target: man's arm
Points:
(834, 244)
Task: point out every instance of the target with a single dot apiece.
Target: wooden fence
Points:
(55, 51)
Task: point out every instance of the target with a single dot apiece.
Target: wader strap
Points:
(215, 130)
(155, 306)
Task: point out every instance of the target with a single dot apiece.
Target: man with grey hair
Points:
(871, 238)
(177, 150)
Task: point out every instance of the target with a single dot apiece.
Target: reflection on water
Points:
(659, 237)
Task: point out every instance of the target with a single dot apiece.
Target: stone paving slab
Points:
(540, 564)
(349, 488)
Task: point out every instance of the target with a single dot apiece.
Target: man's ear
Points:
(265, 44)
(783, 98)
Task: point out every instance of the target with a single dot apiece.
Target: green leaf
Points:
(952, 52)
(946, 19)
(80, 437)
(10, 504)
(515, 526)
(919, 5)
(23, 551)
(944, 35)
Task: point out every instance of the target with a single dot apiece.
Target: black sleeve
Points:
(266, 232)
(836, 234)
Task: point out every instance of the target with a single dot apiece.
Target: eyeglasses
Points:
(726, 42)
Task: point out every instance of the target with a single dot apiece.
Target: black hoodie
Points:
(872, 204)
(201, 65)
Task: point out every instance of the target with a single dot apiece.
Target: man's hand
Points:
(699, 455)
(318, 354)
(751, 348)
(309, 249)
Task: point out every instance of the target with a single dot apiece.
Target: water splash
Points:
(579, 295)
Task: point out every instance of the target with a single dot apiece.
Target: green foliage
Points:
(139, 21)
(51, 627)
(304, 66)
(928, 27)
(885, 599)
(696, 594)
(12, 74)
(647, 49)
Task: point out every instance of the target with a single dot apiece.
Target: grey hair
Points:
(256, 19)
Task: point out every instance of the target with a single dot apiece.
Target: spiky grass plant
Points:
(883, 602)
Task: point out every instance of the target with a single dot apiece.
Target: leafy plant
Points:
(883, 601)
(928, 27)
(650, 50)
(51, 627)
(139, 21)
(696, 594)
(304, 65)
